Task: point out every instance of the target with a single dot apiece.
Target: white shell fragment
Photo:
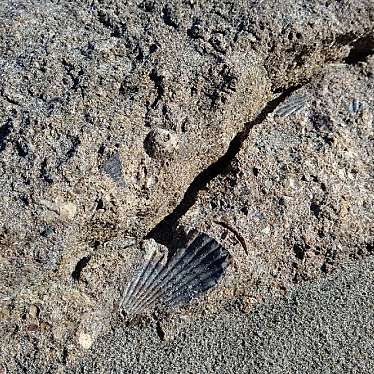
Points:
(176, 280)
(85, 340)
(293, 105)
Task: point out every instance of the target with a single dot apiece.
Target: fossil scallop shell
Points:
(169, 281)
(355, 106)
(293, 105)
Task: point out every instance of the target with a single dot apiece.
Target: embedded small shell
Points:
(294, 104)
(160, 143)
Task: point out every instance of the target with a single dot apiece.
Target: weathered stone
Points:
(85, 340)
(297, 201)
(112, 112)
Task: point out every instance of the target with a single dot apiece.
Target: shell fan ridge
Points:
(187, 274)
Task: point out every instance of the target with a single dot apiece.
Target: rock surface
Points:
(115, 117)
(297, 200)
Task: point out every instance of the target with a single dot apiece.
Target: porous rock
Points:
(297, 201)
(82, 82)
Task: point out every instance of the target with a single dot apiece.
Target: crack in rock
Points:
(165, 231)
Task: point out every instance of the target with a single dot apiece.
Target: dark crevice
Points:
(315, 208)
(5, 131)
(21, 148)
(361, 50)
(64, 356)
(299, 251)
(160, 331)
(169, 17)
(75, 142)
(158, 81)
(166, 230)
(45, 173)
(82, 263)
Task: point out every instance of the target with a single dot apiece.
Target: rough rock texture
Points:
(114, 115)
(297, 200)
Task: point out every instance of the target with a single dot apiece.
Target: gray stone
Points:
(297, 201)
(114, 115)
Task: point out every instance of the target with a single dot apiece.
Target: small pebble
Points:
(33, 311)
(291, 182)
(266, 230)
(67, 210)
(85, 340)
(32, 327)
